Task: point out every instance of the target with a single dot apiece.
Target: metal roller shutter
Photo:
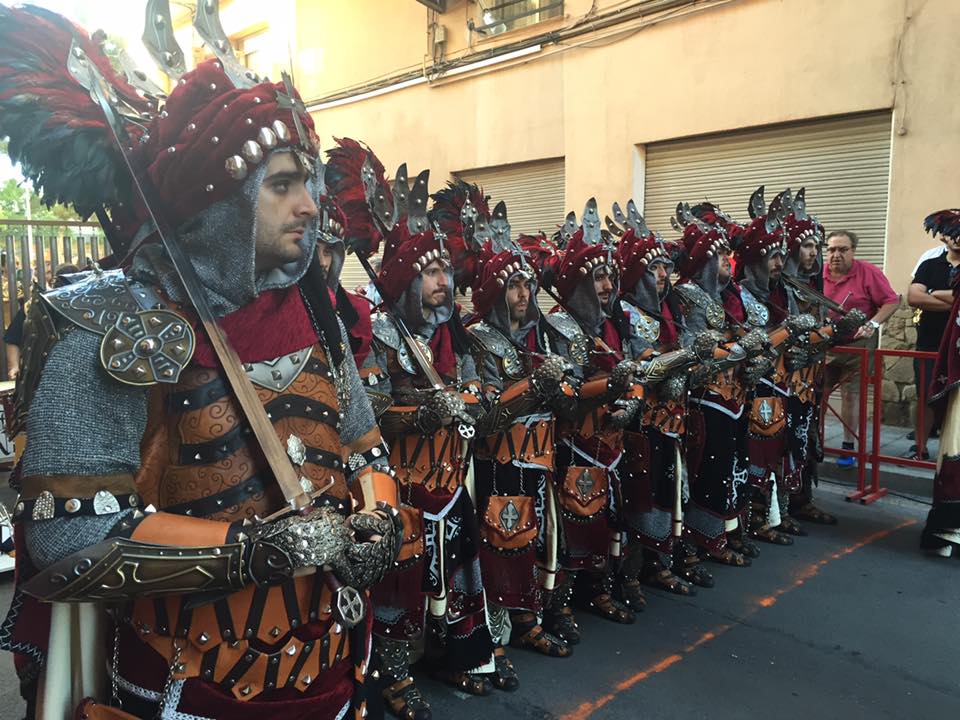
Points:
(533, 192)
(353, 276)
(844, 163)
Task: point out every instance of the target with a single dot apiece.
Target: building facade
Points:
(550, 102)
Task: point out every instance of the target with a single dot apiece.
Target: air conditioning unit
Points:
(439, 5)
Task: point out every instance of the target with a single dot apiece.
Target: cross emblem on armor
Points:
(350, 606)
(585, 483)
(766, 412)
(509, 516)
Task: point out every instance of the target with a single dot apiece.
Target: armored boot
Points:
(528, 633)
(504, 675)
(401, 695)
(626, 585)
(759, 527)
(593, 593)
(558, 617)
(688, 565)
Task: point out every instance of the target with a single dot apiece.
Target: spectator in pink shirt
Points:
(854, 284)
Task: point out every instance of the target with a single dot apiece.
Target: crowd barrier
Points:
(867, 450)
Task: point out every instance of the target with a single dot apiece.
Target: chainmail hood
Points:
(220, 244)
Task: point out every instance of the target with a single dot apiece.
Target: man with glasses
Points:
(854, 284)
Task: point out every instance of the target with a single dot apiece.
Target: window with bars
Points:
(500, 16)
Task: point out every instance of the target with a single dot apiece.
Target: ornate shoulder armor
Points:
(143, 341)
(490, 340)
(758, 315)
(569, 329)
(693, 294)
(643, 326)
(385, 330)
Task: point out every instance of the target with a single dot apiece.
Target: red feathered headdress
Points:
(357, 179)
(460, 211)
(943, 222)
(209, 137)
(586, 250)
(699, 242)
(797, 225)
(543, 255)
(763, 236)
(635, 254)
(58, 134)
(411, 244)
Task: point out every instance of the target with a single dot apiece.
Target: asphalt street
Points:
(851, 622)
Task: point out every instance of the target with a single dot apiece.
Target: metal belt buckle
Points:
(350, 607)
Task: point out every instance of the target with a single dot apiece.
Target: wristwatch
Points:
(874, 324)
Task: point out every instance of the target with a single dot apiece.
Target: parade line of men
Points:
(283, 495)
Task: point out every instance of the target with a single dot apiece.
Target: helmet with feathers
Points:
(219, 123)
(461, 212)
(761, 237)
(943, 222)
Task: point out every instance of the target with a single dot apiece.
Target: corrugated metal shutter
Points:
(533, 192)
(844, 163)
(353, 276)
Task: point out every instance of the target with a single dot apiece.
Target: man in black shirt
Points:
(930, 293)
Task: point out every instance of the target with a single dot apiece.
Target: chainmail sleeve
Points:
(358, 425)
(80, 423)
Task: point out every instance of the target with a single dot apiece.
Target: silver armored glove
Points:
(801, 324)
(623, 413)
(439, 406)
(754, 342)
(314, 539)
(796, 358)
(704, 343)
(378, 539)
(755, 369)
(623, 375)
(546, 379)
(848, 325)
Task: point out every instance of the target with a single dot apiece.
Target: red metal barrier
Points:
(874, 380)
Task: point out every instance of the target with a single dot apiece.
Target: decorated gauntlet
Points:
(359, 549)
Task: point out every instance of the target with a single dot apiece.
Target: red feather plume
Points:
(345, 181)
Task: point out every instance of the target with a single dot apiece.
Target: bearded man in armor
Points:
(144, 485)
(715, 429)
(525, 383)
(649, 472)
(422, 361)
(590, 444)
(804, 239)
(781, 410)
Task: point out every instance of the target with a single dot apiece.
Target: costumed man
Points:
(354, 310)
(174, 449)
(780, 409)
(425, 365)
(649, 474)
(941, 533)
(759, 254)
(590, 446)
(803, 268)
(716, 450)
(525, 382)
